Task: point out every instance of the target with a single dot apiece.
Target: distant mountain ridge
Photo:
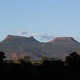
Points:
(18, 46)
(63, 39)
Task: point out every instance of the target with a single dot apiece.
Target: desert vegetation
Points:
(47, 70)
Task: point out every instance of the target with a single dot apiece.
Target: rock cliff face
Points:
(18, 46)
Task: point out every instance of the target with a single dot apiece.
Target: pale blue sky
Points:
(53, 17)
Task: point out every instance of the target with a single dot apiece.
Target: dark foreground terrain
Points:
(48, 70)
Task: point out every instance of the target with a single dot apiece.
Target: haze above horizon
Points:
(43, 19)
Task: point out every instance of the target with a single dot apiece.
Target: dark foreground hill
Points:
(18, 47)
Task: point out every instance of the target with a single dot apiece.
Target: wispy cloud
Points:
(39, 36)
(22, 33)
(46, 37)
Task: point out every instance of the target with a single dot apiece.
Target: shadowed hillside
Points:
(19, 46)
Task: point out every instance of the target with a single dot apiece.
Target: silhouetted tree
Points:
(24, 60)
(2, 56)
(10, 61)
(44, 59)
(73, 58)
(73, 66)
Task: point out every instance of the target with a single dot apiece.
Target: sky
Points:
(43, 19)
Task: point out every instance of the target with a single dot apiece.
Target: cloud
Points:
(22, 33)
(42, 36)
(46, 37)
(38, 36)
